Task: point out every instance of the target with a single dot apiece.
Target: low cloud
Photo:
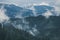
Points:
(25, 2)
(3, 16)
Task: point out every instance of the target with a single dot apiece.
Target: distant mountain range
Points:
(38, 22)
(15, 11)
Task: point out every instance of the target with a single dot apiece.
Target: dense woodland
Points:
(49, 29)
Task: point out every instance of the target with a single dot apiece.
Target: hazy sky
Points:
(26, 2)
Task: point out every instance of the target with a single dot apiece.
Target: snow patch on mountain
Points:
(34, 31)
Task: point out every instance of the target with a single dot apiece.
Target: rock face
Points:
(26, 24)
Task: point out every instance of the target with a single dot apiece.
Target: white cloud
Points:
(47, 14)
(42, 3)
(3, 16)
(57, 9)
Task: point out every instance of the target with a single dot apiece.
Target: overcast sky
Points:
(26, 2)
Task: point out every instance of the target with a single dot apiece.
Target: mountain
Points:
(34, 10)
(10, 33)
(43, 9)
(46, 27)
(39, 23)
(13, 11)
(40, 28)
